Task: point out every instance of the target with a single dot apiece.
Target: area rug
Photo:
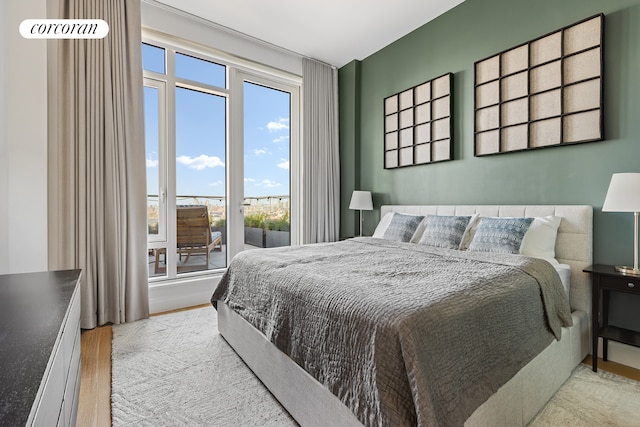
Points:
(177, 370)
(592, 399)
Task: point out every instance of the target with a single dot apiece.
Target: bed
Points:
(515, 396)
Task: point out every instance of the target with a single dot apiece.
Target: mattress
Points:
(564, 271)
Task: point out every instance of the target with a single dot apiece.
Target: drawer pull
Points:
(631, 285)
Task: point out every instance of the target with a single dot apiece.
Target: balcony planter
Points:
(277, 232)
(254, 236)
(276, 238)
(254, 229)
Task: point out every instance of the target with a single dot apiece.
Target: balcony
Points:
(266, 225)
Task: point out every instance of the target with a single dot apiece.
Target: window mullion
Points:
(171, 165)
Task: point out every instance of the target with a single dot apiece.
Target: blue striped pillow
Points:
(402, 227)
(444, 231)
(503, 235)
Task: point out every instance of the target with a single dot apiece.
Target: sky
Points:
(201, 159)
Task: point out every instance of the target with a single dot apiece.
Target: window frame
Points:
(234, 67)
(160, 239)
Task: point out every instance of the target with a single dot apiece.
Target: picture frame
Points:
(418, 124)
(543, 93)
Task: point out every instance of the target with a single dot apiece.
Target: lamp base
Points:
(628, 270)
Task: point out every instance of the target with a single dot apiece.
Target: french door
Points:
(221, 154)
(263, 196)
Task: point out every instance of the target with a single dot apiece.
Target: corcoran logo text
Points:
(64, 28)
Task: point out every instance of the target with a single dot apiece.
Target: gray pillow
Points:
(402, 227)
(502, 235)
(444, 231)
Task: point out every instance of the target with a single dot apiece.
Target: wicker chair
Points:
(193, 233)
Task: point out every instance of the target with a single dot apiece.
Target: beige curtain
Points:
(97, 191)
(321, 151)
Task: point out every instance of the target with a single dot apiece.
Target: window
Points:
(232, 163)
(199, 70)
(153, 107)
(153, 58)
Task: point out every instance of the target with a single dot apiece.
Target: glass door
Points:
(266, 180)
(186, 117)
(269, 133)
(200, 180)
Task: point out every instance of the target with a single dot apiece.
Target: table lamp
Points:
(624, 196)
(361, 200)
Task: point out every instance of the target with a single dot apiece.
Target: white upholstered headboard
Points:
(574, 245)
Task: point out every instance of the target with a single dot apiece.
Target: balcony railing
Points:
(271, 207)
(221, 200)
(266, 225)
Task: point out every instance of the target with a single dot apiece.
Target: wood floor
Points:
(94, 406)
(94, 403)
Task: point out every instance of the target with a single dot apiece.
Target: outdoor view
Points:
(200, 167)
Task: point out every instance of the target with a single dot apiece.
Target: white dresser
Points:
(40, 348)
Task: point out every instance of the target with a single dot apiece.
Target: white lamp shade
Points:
(623, 194)
(361, 200)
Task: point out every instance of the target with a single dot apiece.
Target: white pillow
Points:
(382, 226)
(419, 231)
(467, 237)
(540, 239)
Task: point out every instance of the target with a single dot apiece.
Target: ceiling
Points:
(332, 31)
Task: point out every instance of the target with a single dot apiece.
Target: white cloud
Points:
(151, 163)
(200, 162)
(249, 180)
(260, 151)
(283, 138)
(270, 184)
(284, 164)
(216, 183)
(279, 125)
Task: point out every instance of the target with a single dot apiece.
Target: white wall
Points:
(23, 141)
(4, 159)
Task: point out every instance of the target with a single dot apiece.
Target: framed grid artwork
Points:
(417, 124)
(546, 92)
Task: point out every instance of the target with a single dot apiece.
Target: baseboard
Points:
(189, 292)
(622, 353)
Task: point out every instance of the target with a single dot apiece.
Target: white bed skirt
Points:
(311, 404)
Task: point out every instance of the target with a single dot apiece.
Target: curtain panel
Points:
(97, 175)
(320, 148)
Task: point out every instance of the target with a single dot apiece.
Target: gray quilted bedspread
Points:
(402, 333)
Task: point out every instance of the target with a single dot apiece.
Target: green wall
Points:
(474, 30)
(349, 105)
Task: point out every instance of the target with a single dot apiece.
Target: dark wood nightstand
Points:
(606, 279)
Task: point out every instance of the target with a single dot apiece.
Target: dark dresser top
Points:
(32, 308)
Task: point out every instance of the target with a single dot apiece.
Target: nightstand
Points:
(605, 280)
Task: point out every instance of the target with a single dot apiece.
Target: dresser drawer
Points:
(50, 404)
(71, 328)
(71, 390)
(623, 284)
